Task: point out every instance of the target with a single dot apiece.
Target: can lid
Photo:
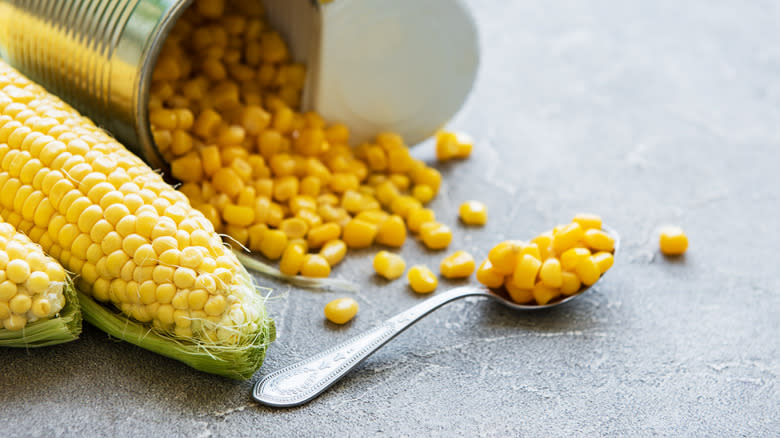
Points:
(404, 65)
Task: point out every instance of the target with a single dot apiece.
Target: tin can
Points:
(97, 55)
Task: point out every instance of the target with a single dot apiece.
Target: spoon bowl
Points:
(299, 383)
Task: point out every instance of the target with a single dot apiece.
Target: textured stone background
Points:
(645, 112)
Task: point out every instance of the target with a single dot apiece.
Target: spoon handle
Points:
(297, 384)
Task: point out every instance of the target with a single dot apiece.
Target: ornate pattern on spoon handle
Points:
(298, 383)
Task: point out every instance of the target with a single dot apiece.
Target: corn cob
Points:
(145, 258)
(38, 305)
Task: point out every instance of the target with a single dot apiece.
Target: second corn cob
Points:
(138, 246)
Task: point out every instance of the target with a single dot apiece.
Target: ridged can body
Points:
(97, 55)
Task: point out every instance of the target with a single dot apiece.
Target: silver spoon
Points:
(301, 382)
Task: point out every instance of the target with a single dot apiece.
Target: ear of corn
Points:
(151, 269)
(38, 304)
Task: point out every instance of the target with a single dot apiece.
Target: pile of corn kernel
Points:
(554, 263)
(223, 111)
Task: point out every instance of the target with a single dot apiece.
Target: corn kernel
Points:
(525, 272)
(389, 265)
(359, 233)
(292, 259)
(503, 256)
(531, 249)
(588, 221)
(273, 244)
(673, 241)
(567, 237)
(550, 273)
(459, 264)
(588, 271)
(517, 294)
(489, 276)
(294, 227)
(570, 283)
(473, 213)
(435, 235)
(604, 260)
(599, 240)
(421, 279)
(391, 232)
(334, 251)
(315, 266)
(341, 311)
(419, 216)
(404, 204)
(543, 294)
(572, 257)
(544, 244)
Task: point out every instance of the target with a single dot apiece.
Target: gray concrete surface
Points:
(645, 112)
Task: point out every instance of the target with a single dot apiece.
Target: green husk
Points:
(238, 361)
(61, 328)
(329, 284)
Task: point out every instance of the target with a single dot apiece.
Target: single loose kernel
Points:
(419, 216)
(567, 237)
(572, 257)
(292, 259)
(473, 213)
(459, 264)
(488, 276)
(421, 279)
(359, 233)
(570, 283)
(604, 260)
(341, 310)
(389, 265)
(673, 241)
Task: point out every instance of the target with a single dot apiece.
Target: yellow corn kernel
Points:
(572, 257)
(588, 221)
(526, 271)
(531, 249)
(421, 279)
(256, 234)
(227, 181)
(391, 232)
(459, 264)
(386, 192)
(544, 244)
(292, 259)
(435, 235)
(428, 176)
(599, 240)
(187, 168)
(341, 311)
(423, 193)
(273, 244)
(588, 271)
(285, 188)
(315, 266)
(322, 234)
(446, 145)
(567, 237)
(294, 228)
(517, 294)
(503, 256)
(489, 276)
(389, 265)
(673, 241)
(551, 274)
(359, 233)
(419, 216)
(238, 215)
(340, 182)
(374, 216)
(543, 294)
(473, 213)
(570, 283)
(604, 260)
(403, 204)
(334, 251)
